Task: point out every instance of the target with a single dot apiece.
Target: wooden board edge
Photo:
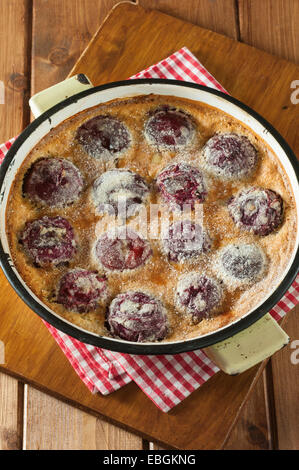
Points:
(78, 405)
(136, 6)
(98, 32)
(245, 400)
(258, 374)
(108, 419)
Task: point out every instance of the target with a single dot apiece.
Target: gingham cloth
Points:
(168, 379)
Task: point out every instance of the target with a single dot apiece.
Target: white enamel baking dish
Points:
(235, 347)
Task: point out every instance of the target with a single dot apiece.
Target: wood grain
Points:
(56, 45)
(10, 438)
(285, 367)
(278, 33)
(271, 25)
(253, 434)
(15, 17)
(252, 429)
(61, 31)
(45, 366)
(217, 15)
(15, 39)
(126, 26)
(54, 425)
(195, 423)
(28, 330)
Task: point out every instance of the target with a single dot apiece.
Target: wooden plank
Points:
(204, 14)
(219, 15)
(252, 431)
(129, 407)
(10, 423)
(285, 370)
(15, 19)
(14, 66)
(54, 425)
(255, 434)
(237, 433)
(61, 31)
(260, 68)
(207, 425)
(278, 33)
(58, 40)
(272, 26)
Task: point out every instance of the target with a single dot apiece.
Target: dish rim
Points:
(118, 344)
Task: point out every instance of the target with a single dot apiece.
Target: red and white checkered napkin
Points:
(168, 379)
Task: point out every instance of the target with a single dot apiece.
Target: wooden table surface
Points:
(40, 40)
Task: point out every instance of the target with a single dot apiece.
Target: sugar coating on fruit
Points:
(184, 240)
(181, 184)
(198, 295)
(137, 316)
(117, 191)
(122, 249)
(81, 291)
(104, 137)
(48, 241)
(54, 182)
(257, 210)
(230, 155)
(169, 127)
(242, 263)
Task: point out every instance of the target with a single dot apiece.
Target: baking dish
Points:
(235, 347)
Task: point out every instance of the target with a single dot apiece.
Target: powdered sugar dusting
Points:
(181, 184)
(155, 264)
(198, 295)
(242, 263)
(104, 137)
(122, 250)
(184, 240)
(81, 290)
(118, 186)
(53, 182)
(257, 210)
(229, 155)
(49, 240)
(137, 316)
(169, 128)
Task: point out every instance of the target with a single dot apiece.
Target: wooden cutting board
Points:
(129, 40)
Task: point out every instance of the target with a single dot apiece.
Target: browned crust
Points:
(157, 276)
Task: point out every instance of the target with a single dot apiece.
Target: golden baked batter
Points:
(157, 276)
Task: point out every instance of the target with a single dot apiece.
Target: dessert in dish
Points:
(151, 218)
